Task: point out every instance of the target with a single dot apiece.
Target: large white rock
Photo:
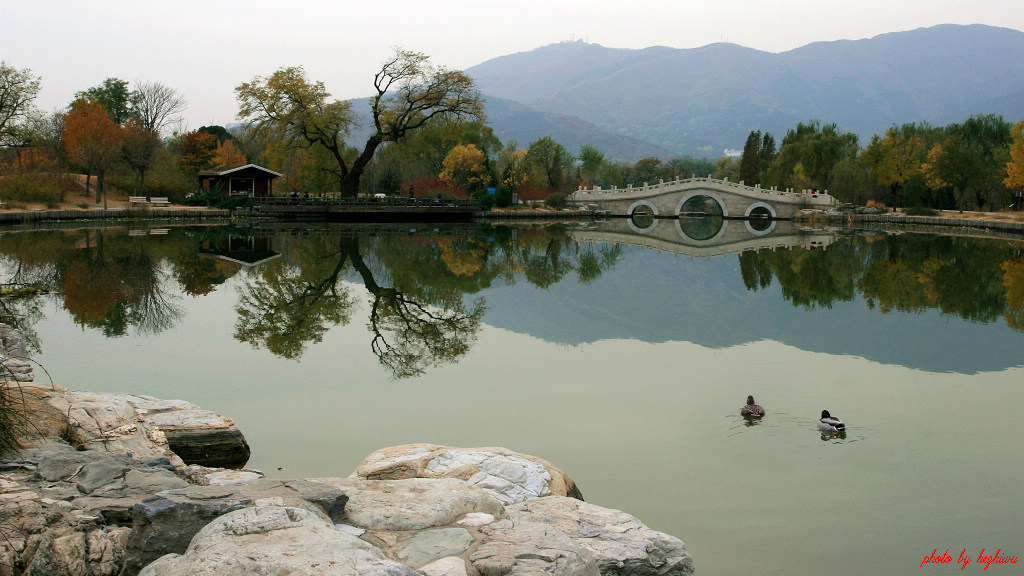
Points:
(272, 540)
(509, 476)
(411, 504)
(620, 543)
(109, 422)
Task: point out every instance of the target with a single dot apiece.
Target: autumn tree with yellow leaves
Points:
(466, 166)
(1015, 168)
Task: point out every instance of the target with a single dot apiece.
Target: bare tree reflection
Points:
(283, 311)
(410, 336)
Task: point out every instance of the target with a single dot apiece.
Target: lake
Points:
(622, 360)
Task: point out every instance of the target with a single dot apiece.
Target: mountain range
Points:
(666, 102)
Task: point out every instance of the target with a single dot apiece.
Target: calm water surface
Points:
(623, 361)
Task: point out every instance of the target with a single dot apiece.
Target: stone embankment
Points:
(1009, 225)
(30, 216)
(100, 491)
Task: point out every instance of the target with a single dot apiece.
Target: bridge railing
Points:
(814, 195)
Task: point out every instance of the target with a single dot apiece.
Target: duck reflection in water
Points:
(751, 412)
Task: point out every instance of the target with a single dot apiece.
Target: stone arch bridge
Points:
(701, 197)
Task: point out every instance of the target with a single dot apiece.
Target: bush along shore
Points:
(122, 484)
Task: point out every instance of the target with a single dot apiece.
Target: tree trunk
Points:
(100, 191)
(350, 181)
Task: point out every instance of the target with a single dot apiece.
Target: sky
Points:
(204, 49)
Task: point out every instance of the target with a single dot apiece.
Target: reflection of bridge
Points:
(703, 237)
(701, 195)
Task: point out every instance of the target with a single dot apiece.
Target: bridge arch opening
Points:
(702, 228)
(642, 220)
(702, 204)
(760, 211)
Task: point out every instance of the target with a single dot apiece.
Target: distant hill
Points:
(703, 100)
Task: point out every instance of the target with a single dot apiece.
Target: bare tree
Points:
(157, 105)
(409, 93)
(17, 90)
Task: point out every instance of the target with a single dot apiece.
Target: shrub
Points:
(14, 421)
(23, 189)
(556, 200)
(503, 198)
(486, 201)
(920, 211)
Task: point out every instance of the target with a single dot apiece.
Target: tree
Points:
(466, 166)
(409, 95)
(93, 140)
(515, 172)
(727, 169)
(227, 153)
(591, 160)
(18, 88)
(817, 150)
(196, 152)
(750, 162)
(140, 147)
(1015, 167)
(156, 105)
(114, 96)
(971, 159)
(551, 160)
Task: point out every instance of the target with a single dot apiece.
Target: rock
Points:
(99, 473)
(431, 545)
(204, 476)
(411, 504)
(276, 540)
(450, 566)
(519, 548)
(106, 422)
(143, 426)
(13, 367)
(200, 436)
(166, 522)
(621, 544)
(508, 476)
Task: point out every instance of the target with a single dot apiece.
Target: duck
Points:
(751, 410)
(830, 423)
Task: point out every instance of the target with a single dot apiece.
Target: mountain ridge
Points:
(699, 101)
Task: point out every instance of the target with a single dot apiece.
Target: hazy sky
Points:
(204, 49)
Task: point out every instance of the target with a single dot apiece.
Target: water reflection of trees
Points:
(976, 279)
(420, 289)
(107, 280)
(420, 314)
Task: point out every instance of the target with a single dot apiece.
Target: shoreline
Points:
(1006, 222)
(121, 500)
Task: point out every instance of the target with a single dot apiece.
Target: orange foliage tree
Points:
(197, 152)
(227, 153)
(93, 141)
